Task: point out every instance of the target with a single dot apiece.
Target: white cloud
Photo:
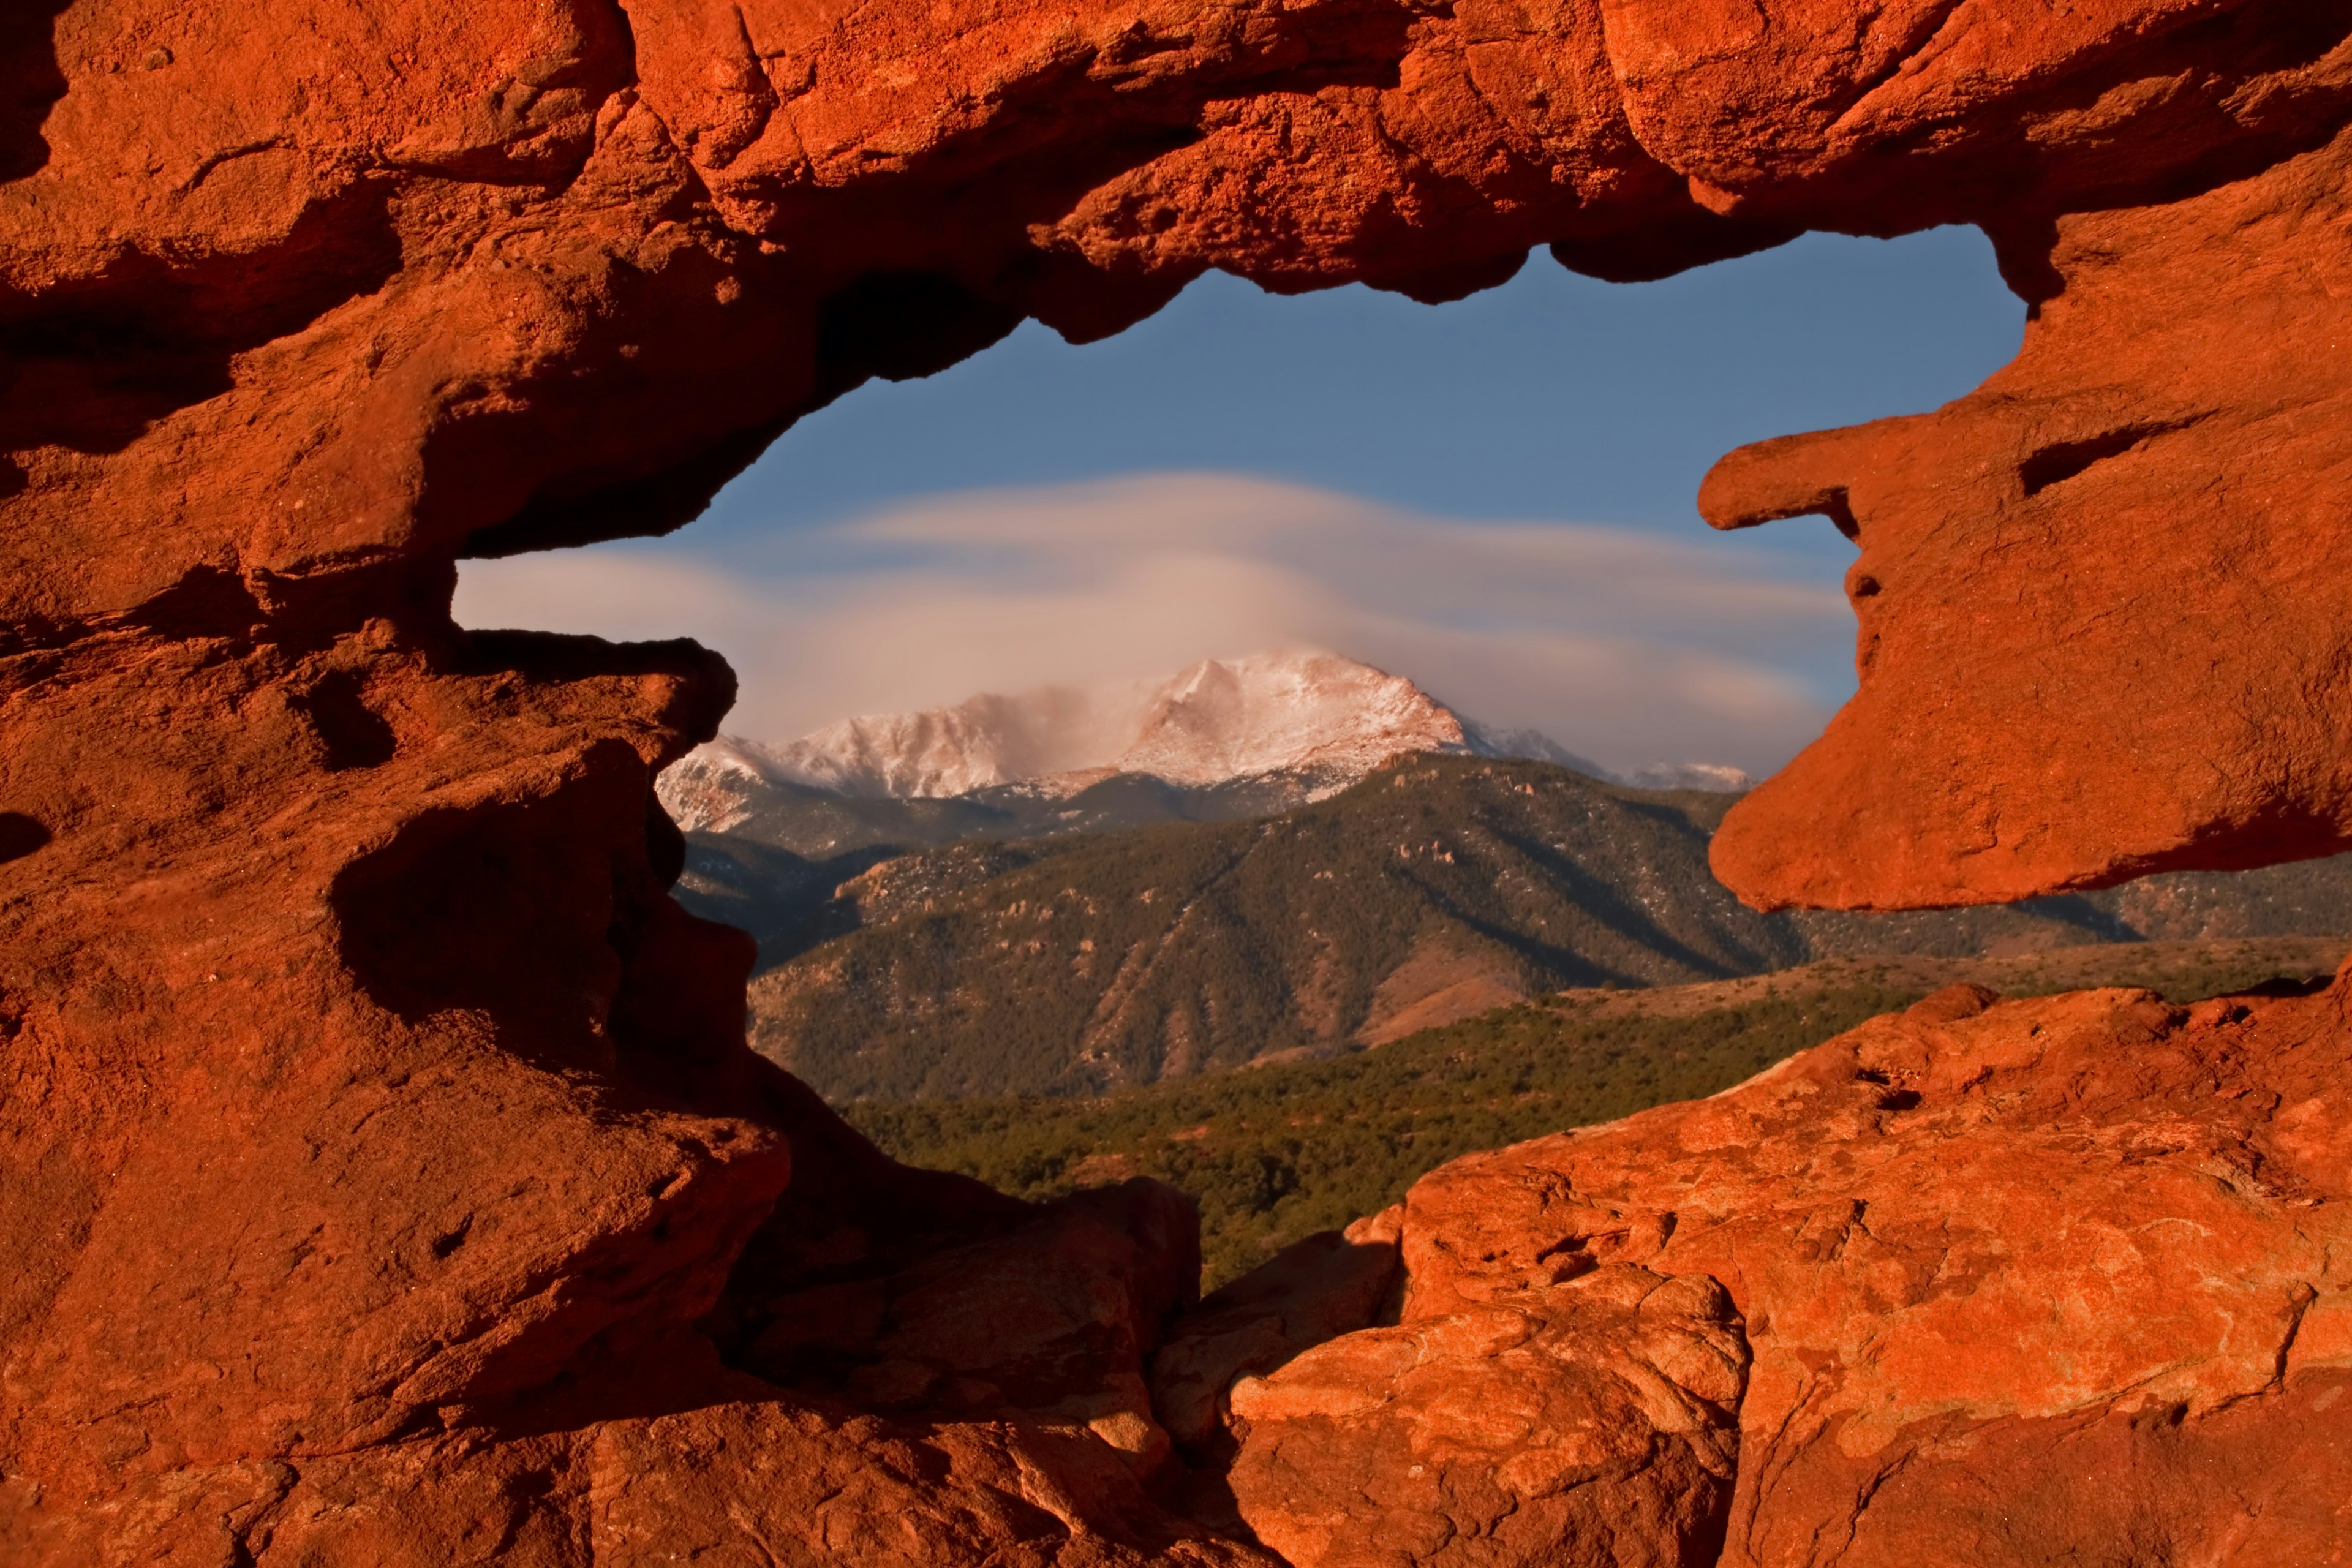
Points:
(1626, 647)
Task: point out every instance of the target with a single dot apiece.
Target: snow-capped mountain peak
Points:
(711, 786)
(1316, 720)
(1277, 712)
(980, 743)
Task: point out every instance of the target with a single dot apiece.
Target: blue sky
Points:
(1494, 497)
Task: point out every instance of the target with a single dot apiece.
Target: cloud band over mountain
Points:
(1625, 645)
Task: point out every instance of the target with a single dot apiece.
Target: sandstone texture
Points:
(2035, 1282)
(1309, 1292)
(1589, 1421)
(383, 1174)
(2094, 637)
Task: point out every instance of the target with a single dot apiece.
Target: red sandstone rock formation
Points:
(382, 1177)
(296, 315)
(1314, 1290)
(2097, 634)
(2048, 1281)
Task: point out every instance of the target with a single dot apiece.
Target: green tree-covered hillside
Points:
(1436, 889)
(1278, 1152)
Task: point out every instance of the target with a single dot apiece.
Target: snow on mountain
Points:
(981, 743)
(1532, 744)
(1286, 713)
(1321, 718)
(1689, 775)
(712, 787)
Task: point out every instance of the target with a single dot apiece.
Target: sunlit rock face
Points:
(2021, 1283)
(2098, 629)
(382, 1173)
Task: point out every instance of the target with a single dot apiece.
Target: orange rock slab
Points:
(2022, 1283)
(1590, 1421)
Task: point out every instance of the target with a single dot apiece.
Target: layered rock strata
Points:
(382, 1176)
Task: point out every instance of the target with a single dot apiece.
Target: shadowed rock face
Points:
(381, 1171)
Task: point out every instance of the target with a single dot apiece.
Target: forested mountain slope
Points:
(1436, 889)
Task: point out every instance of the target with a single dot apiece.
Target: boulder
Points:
(1311, 1291)
(1595, 1421)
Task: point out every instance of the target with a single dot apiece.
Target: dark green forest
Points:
(1278, 1153)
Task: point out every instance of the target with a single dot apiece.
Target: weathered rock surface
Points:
(1592, 1421)
(2100, 631)
(312, 315)
(2063, 1280)
(382, 1176)
(709, 1465)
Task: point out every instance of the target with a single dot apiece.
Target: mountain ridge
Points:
(1436, 889)
(1300, 725)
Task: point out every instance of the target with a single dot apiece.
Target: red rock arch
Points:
(302, 304)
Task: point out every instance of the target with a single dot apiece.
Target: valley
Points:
(1280, 1152)
(1290, 994)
